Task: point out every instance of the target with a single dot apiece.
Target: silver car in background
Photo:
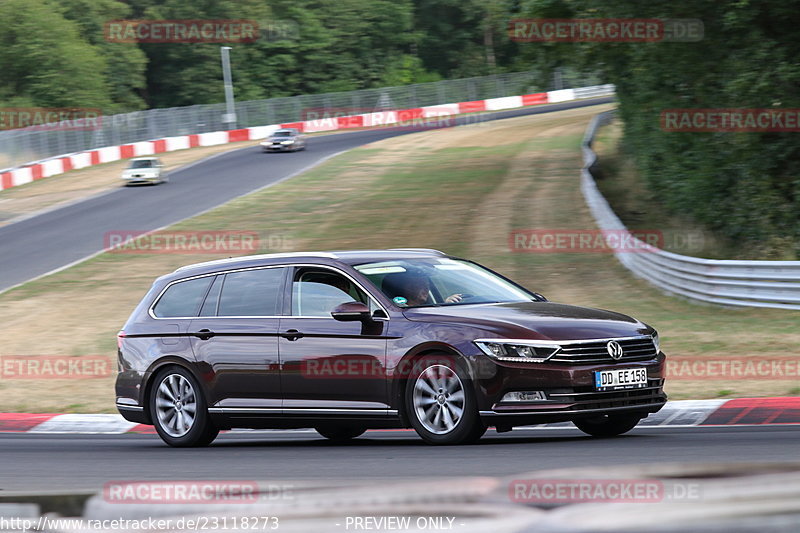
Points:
(145, 170)
(284, 140)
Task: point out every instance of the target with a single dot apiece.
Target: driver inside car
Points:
(414, 288)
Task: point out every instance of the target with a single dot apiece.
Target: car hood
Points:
(534, 320)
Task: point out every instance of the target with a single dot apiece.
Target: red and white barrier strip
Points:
(62, 164)
(736, 412)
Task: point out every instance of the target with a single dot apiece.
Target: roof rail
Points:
(257, 256)
(425, 250)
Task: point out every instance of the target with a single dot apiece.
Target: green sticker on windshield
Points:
(399, 300)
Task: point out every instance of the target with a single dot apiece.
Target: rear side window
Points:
(182, 299)
(251, 293)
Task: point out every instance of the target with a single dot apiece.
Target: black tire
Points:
(468, 427)
(202, 430)
(607, 425)
(340, 434)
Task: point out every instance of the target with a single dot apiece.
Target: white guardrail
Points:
(726, 282)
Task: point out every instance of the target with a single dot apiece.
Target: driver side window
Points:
(317, 292)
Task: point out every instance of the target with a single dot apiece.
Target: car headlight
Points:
(288, 142)
(656, 342)
(517, 350)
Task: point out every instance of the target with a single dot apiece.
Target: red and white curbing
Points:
(683, 413)
(65, 163)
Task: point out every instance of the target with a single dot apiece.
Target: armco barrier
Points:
(726, 282)
(65, 163)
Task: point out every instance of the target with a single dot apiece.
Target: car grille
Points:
(589, 399)
(636, 349)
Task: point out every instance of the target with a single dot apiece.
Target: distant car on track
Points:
(284, 140)
(145, 170)
(348, 341)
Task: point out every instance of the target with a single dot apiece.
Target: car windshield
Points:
(283, 133)
(142, 163)
(440, 281)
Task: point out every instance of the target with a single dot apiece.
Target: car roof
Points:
(149, 158)
(350, 257)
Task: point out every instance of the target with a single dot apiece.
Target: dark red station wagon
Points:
(354, 340)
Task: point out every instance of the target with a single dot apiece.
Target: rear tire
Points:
(340, 434)
(178, 409)
(440, 402)
(607, 425)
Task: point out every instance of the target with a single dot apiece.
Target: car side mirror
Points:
(351, 312)
(540, 297)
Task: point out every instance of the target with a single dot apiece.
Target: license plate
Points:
(624, 378)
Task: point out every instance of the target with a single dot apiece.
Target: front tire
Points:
(178, 409)
(440, 402)
(607, 425)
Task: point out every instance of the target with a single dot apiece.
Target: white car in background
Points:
(145, 170)
(284, 140)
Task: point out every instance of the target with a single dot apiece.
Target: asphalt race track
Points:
(35, 246)
(74, 462)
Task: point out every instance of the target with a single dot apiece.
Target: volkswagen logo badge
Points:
(614, 349)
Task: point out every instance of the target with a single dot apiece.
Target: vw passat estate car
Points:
(348, 341)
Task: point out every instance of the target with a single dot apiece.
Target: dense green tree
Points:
(125, 64)
(459, 38)
(45, 60)
(745, 185)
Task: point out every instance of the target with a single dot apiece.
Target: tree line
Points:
(745, 185)
(55, 52)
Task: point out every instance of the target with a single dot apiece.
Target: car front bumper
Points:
(569, 390)
(278, 148)
(141, 179)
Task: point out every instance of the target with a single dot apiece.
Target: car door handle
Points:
(291, 334)
(204, 334)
